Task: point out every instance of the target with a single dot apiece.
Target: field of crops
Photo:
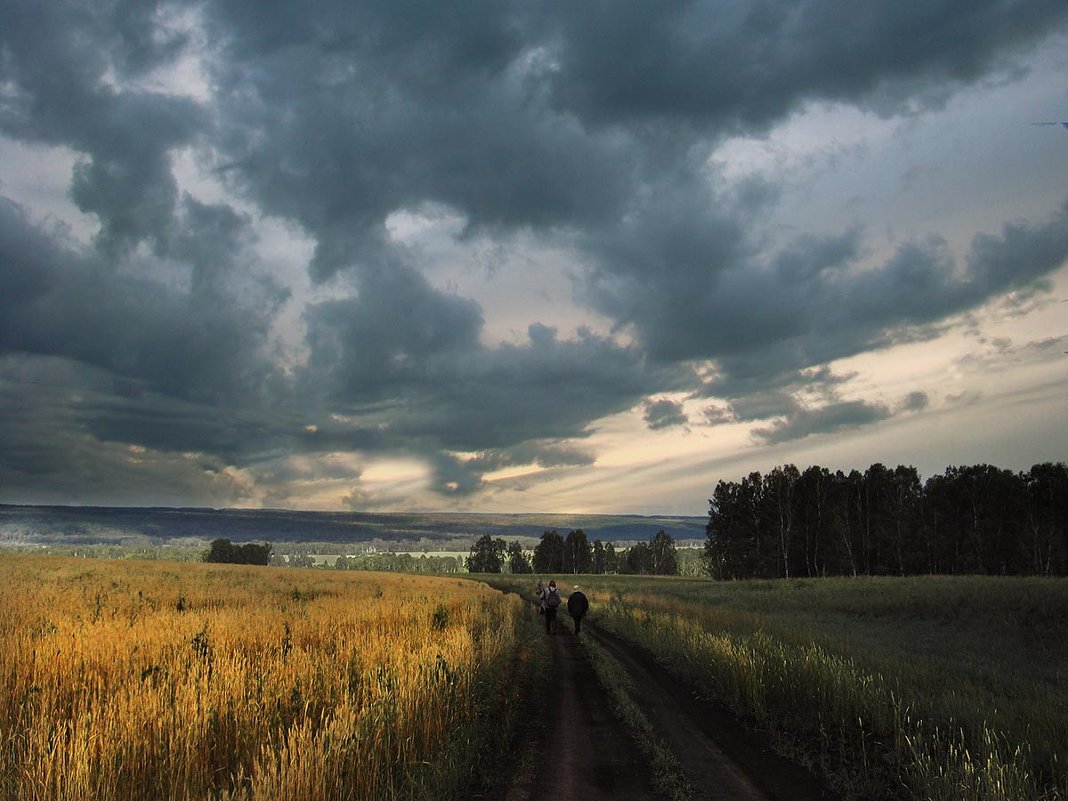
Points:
(154, 680)
(925, 688)
(142, 680)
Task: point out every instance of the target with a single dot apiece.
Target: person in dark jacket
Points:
(577, 606)
(550, 600)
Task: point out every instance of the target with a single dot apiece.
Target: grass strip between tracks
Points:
(667, 773)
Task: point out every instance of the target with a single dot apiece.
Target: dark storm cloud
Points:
(59, 61)
(543, 454)
(764, 405)
(717, 415)
(915, 402)
(767, 321)
(518, 118)
(456, 476)
(349, 113)
(200, 345)
(401, 343)
(140, 361)
(803, 422)
(824, 411)
(743, 66)
(663, 413)
(586, 125)
(336, 116)
(405, 353)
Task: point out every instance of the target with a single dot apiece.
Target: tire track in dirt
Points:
(584, 753)
(588, 754)
(719, 757)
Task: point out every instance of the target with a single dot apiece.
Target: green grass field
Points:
(932, 688)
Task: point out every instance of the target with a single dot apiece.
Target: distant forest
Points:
(969, 520)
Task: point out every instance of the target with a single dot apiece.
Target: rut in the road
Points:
(587, 754)
(719, 758)
(584, 752)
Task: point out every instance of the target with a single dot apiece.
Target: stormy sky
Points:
(524, 256)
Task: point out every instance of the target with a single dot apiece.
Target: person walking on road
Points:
(577, 606)
(550, 601)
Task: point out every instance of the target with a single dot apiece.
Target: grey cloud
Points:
(763, 324)
(336, 117)
(58, 63)
(513, 116)
(663, 413)
(126, 179)
(915, 402)
(718, 415)
(555, 455)
(1004, 353)
(836, 417)
(47, 456)
(159, 367)
(794, 418)
(542, 453)
(452, 476)
(362, 498)
(395, 334)
(736, 66)
(549, 388)
(386, 110)
(761, 406)
(1021, 254)
(1025, 300)
(201, 345)
(147, 36)
(461, 476)
(1046, 349)
(401, 343)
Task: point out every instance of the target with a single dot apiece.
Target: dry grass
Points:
(143, 680)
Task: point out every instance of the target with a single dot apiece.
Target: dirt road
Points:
(587, 754)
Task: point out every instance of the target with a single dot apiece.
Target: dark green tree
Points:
(578, 554)
(517, 559)
(249, 554)
(735, 544)
(611, 558)
(487, 555)
(780, 495)
(638, 559)
(549, 553)
(221, 551)
(665, 559)
(599, 558)
(970, 519)
(814, 490)
(903, 508)
(1046, 537)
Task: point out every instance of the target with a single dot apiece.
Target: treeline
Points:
(249, 554)
(978, 519)
(575, 554)
(400, 563)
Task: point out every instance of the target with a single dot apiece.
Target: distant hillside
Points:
(88, 525)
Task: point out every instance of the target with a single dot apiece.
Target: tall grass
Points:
(943, 689)
(124, 680)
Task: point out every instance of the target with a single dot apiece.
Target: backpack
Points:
(552, 598)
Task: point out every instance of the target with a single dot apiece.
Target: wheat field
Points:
(148, 680)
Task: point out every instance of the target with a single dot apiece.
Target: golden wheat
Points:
(144, 680)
